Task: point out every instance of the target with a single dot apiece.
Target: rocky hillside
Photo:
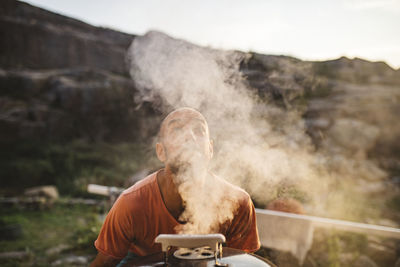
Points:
(63, 80)
(348, 105)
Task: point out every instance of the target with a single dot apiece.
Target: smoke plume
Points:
(258, 146)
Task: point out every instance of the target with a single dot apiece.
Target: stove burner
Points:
(193, 246)
(194, 253)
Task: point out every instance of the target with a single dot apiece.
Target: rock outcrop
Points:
(34, 38)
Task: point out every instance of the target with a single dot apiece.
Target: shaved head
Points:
(178, 114)
(184, 141)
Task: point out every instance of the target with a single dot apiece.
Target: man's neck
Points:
(169, 192)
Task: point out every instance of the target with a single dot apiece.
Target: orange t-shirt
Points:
(139, 215)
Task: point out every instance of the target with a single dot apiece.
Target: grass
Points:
(75, 226)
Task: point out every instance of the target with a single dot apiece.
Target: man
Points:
(161, 204)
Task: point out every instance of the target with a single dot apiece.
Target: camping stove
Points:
(199, 251)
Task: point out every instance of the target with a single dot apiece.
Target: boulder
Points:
(49, 191)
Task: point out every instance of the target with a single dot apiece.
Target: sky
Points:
(308, 29)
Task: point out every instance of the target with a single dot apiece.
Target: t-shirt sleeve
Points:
(116, 233)
(243, 233)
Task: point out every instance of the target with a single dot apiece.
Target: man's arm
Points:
(115, 235)
(103, 260)
(244, 233)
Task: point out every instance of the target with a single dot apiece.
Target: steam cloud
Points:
(258, 146)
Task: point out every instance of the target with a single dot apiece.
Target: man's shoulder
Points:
(138, 197)
(146, 184)
(231, 189)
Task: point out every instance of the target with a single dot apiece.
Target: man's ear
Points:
(160, 151)
(211, 147)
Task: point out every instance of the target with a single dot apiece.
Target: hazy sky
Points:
(308, 29)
